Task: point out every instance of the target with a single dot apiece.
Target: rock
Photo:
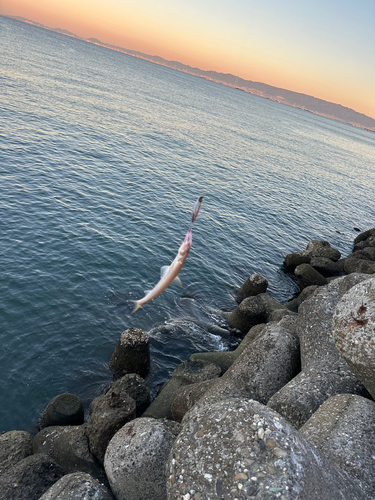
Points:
(238, 448)
(292, 260)
(253, 286)
(225, 359)
(368, 235)
(253, 311)
(133, 385)
(341, 431)
(327, 267)
(187, 397)
(307, 276)
(324, 372)
(135, 460)
(110, 412)
(298, 400)
(263, 367)
(70, 448)
(358, 262)
(294, 304)
(354, 331)
(132, 353)
(29, 478)
(197, 371)
(14, 446)
(64, 409)
(77, 485)
(159, 408)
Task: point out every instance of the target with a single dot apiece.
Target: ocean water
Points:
(102, 157)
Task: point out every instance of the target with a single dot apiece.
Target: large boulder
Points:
(135, 386)
(314, 249)
(70, 448)
(109, 413)
(341, 431)
(77, 486)
(324, 372)
(29, 478)
(238, 448)
(64, 409)
(354, 331)
(307, 276)
(14, 446)
(253, 311)
(136, 458)
(253, 286)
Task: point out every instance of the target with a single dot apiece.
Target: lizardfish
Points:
(170, 273)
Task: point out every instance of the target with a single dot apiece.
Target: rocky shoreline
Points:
(289, 414)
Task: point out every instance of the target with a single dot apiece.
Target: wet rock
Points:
(132, 353)
(253, 311)
(135, 460)
(159, 408)
(292, 260)
(133, 385)
(327, 267)
(110, 412)
(64, 409)
(187, 397)
(29, 478)
(69, 447)
(324, 372)
(341, 430)
(77, 485)
(359, 262)
(367, 238)
(238, 448)
(14, 446)
(314, 249)
(253, 286)
(197, 370)
(354, 331)
(307, 276)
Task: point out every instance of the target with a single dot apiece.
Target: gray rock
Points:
(293, 305)
(314, 249)
(30, 478)
(197, 371)
(292, 260)
(327, 267)
(241, 449)
(301, 397)
(324, 372)
(159, 408)
(366, 235)
(70, 448)
(14, 446)
(187, 397)
(64, 409)
(358, 262)
(132, 353)
(341, 430)
(253, 311)
(135, 386)
(354, 331)
(110, 412)
(253, 286)
(77, 486)
(307, 276)
(225, 359)
(263, 367)
(136, 458)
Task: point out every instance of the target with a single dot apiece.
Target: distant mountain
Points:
(288, 97)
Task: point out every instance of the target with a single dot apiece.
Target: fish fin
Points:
(164, 270)
(136, 305)
(177, 281)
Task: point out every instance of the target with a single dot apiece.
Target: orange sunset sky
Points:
(324, 48)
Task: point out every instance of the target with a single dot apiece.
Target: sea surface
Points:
(102, 157)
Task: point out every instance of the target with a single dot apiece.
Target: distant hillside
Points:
(288, 97)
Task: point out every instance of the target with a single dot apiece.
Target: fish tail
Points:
(137, 305)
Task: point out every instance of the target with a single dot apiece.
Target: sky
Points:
(324, 48)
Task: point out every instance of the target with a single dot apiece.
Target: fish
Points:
(169, 274)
